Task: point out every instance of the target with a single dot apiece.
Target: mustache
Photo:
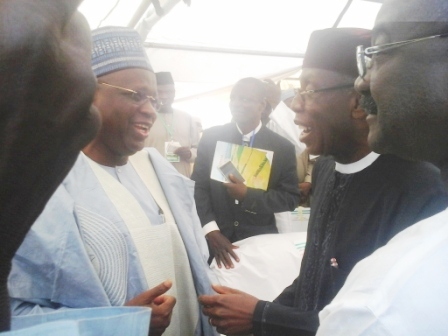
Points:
(368, 104)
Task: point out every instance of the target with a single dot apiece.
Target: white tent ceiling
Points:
(211, 44)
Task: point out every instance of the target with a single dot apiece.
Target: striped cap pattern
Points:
(117, 48)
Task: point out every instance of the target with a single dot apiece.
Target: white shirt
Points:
(355, 167)
(401, 289)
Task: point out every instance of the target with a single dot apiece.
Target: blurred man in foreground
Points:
(46, 90)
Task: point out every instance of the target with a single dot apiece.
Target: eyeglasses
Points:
(138, 98)
(332, 88)
(308, 93)
(364, 62)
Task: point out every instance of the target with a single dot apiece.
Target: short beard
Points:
(368, 104)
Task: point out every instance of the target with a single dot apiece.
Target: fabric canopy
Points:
(210, 44)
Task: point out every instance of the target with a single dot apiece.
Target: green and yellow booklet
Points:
(248, 164)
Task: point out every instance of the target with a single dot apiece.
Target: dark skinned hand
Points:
(231, 311)
(305, 190)
(222, 249)
(236, 188)
(184, 153)
(161, 305)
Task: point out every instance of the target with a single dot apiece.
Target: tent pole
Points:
(222, 50)
(141, 10)
(338, 20)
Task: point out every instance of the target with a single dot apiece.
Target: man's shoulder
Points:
(275, 139)
(154, 157)
(387, 281)
(394, 161)
(79, 170)
(275, 136)
(219, 130)
(151, 151)
(221, 127)
(183, 114)
(400, 169)
(386, 284)
(324, 163)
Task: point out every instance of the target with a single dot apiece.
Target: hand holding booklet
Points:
(250, 165)
(229, 168)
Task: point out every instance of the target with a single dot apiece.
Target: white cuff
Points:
(209, 227)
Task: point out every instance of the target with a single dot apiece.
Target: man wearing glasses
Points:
(401, 289)
(117, 231)
(360, 199)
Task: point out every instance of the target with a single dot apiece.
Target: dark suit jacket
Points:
(255, 215)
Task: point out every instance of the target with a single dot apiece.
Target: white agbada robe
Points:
(399, 290)
(66, 271)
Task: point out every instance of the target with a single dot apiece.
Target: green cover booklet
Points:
(248, 164)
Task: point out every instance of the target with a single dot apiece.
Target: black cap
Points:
(334, 49)
(164, 78)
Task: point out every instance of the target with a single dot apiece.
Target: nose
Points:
(237, 105)
(363, 84)
(297, 105)
(149, 110)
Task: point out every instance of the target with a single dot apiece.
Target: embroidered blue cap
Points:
(117, 48)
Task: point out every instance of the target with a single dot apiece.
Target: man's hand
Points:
(236, 188)
(305, 190)
(184, 153)
(231, 312)
(222, 249)
(161, 305)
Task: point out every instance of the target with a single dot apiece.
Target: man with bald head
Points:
(401, 288)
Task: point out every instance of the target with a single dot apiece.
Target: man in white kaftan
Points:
(175, 133)
(87, 238)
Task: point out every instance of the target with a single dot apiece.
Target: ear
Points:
(355, 107)
(263, 104)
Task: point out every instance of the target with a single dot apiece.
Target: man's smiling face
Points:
(409, 83)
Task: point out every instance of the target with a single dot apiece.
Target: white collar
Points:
(246, 137)
(357, 166)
